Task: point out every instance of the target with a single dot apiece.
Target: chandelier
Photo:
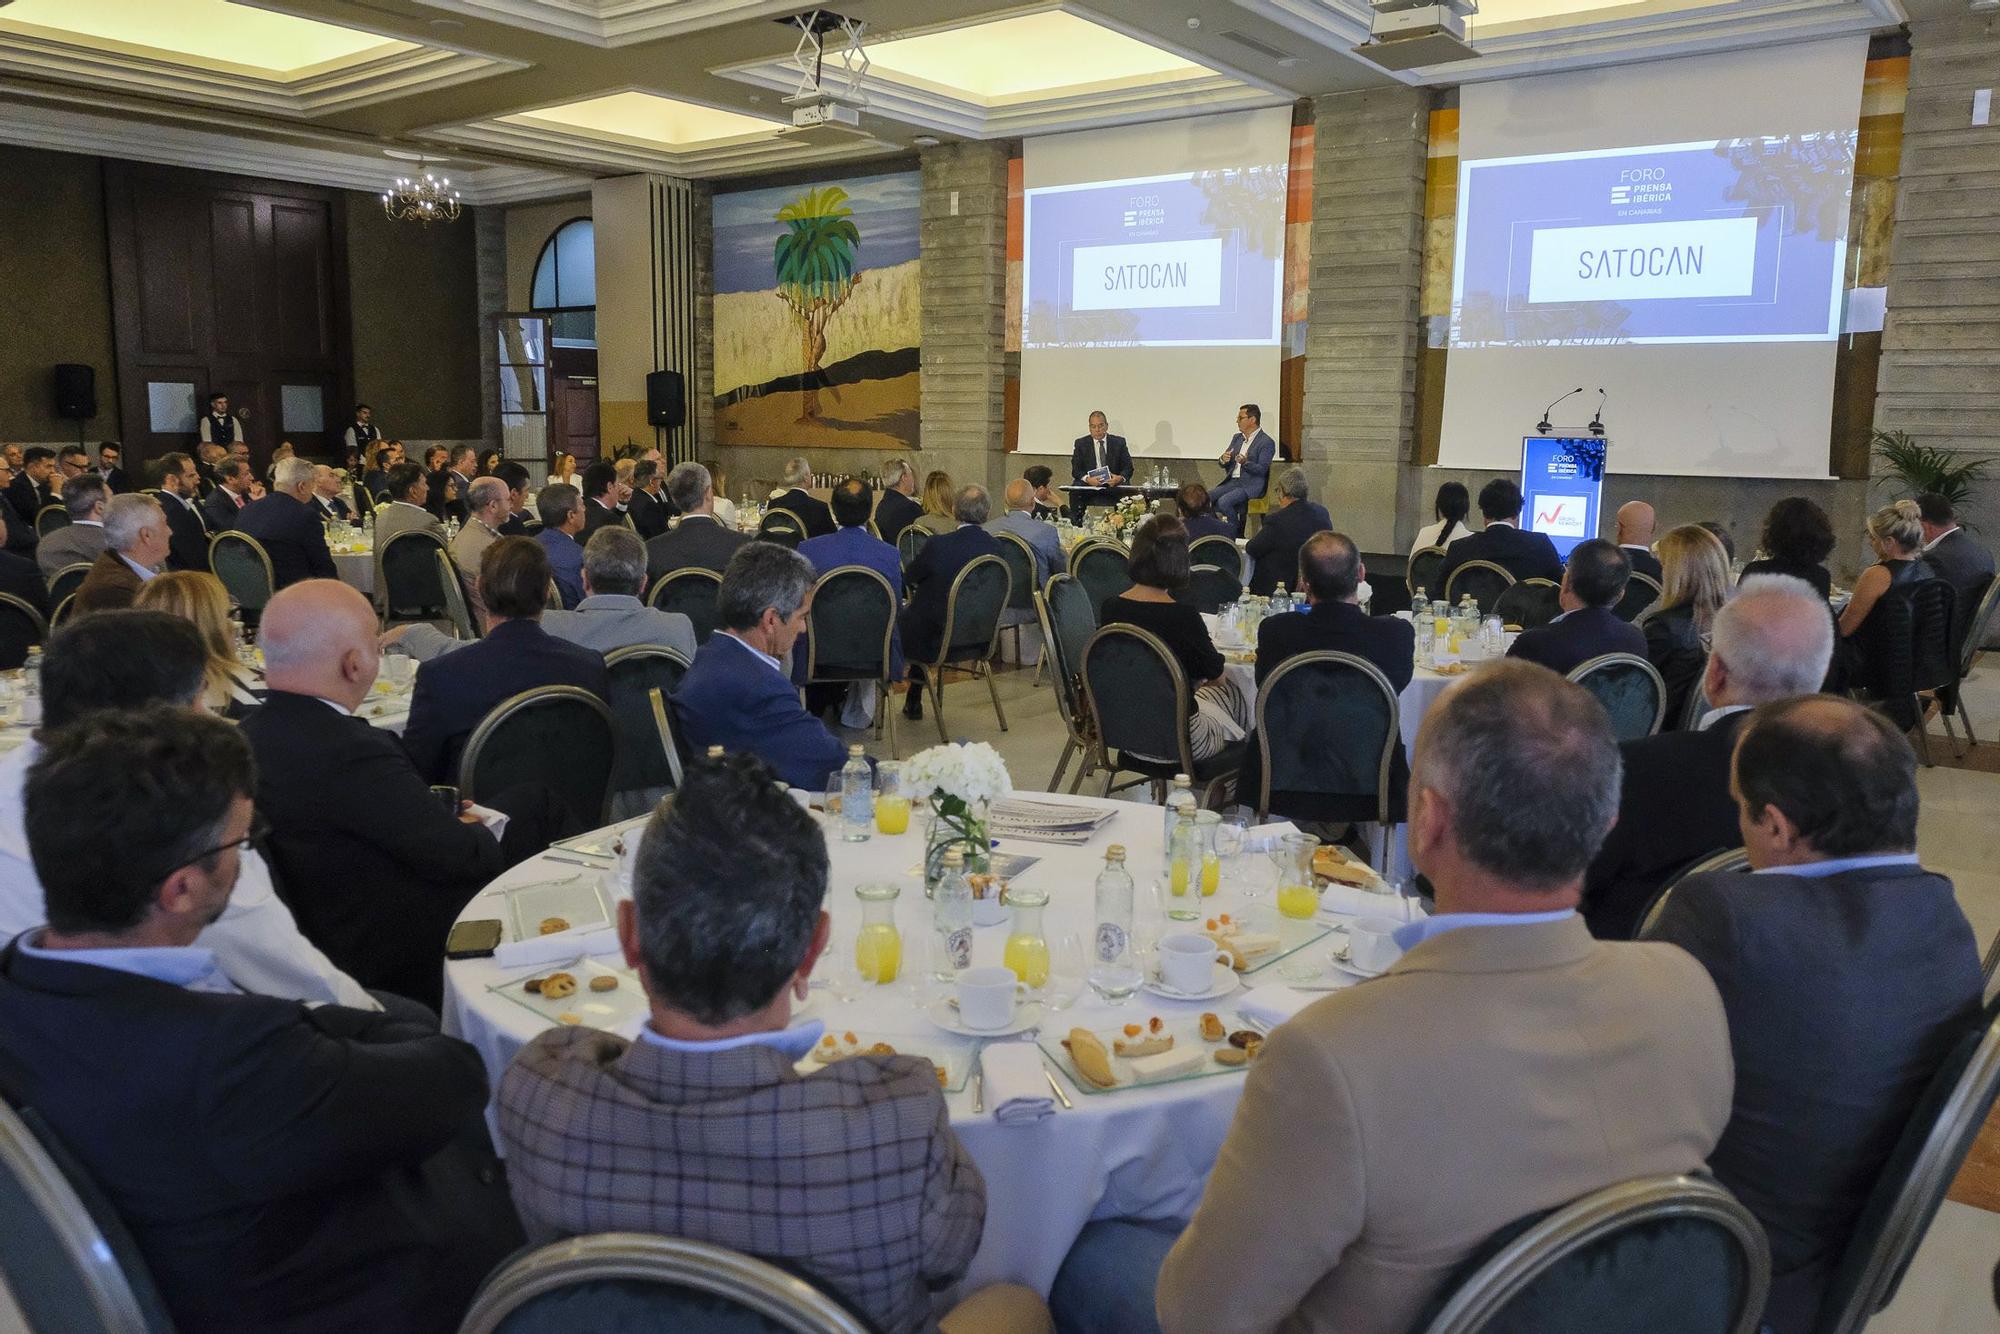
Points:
(425, 198)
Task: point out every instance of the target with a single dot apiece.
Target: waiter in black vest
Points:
(219, 427)
(363, 434)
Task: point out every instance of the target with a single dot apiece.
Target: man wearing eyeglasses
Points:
(280, 1168)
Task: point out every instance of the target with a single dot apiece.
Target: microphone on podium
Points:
(1543, 425)
(1597, 422)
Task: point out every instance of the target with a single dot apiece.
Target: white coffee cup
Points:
(1371, 943)
(1187, 962)
(986, 997)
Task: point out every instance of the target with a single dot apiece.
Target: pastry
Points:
(1328, 864)
(944, 1075)
(1452, 669)
(1211, 1027)
(567, 1018)
(533, 986)
(1243, 1037)
(551, 925)
(1232, 1056)
(604, 982)
(1087, 1054)
(1148, 1039)
(557, 985)
(1167, 1064)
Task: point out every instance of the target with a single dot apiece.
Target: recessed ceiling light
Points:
(926, 140)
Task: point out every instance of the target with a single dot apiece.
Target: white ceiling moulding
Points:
(155, 75)
(734, 156)
(614, 23)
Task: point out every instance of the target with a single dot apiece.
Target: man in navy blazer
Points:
(853, 544)
(560, 506)
(289, 528)
(1246, 467)
(455, 691)
(699, 540)
(896, 511)
(1847, 971)
(1523, 555)
(1592, 583)
(931, 573)
(737, 695)
(1274, 551)
(1098, 449)
(178, 484)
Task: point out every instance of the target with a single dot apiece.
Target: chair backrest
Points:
(1933, 662)
(21, 627)
(628, 1280)
(909, 542)
(1211, 588)
(1641, 592)
(782, 526)
(244, 568)
(637, 672)
(1630, 689)
(1935, 1140)
(1530, 603)
(1218, 551)
(407, 581)
(1074, 617)
(979, 593)
(60, 613)
(1069, 695)
(1977, 623)
(69, 1264)
(1729, 859)
(49, 518)
(558, 737)
(1697, 699)
(1425, 563)
(454, 597)
(1328, 723)
(1138, 695)
(851, 626)
(1668, 1252)
(1020, 558)
(1481, 578)
(692, 592)
(1102, 568)
(67, 580)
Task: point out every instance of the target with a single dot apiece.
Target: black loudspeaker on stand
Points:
(76, 394)
(666, 401)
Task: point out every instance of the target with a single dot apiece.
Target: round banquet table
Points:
(357, 570)
(1136, 1153)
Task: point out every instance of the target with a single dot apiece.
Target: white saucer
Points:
(1027, 1015)
(1223, 981)
(1352, 969)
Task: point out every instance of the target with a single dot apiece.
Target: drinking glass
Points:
(831, 805)
(1068, 971)
(1298, 892)
(892, 798)
(878, 945)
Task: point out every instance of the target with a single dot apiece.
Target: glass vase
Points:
(955, 825)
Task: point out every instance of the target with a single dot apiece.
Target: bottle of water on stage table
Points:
(857, 797)
(1114, 967)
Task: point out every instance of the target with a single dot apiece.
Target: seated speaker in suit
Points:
(136, 527)
(698, 540)
(358, 840)
(1694, 586)
(931, 573)
(895, 510)
(1330, 573)
(603, 497)
(454, 692)
(1098, 458)
(738, 694)
(292, 534)
(1246, 467)
(1635, 524)
(1592, 582)
(280, 1168)
(852, 1175)
(794, 496)
(1522, 554)
(1506, 1061)
(1274, 550)
(1847, 970)
(81, 540)
(1772, 642)
(564, 512)
(230, 495)
(179, 485)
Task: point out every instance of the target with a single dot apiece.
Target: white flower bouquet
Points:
(962, 782)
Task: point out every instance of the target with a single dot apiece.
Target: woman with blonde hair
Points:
(940, 502)
(201, 599)
(1694, 583)
(564, 469)
(1896, 535)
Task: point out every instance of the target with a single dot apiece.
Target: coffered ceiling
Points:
(533, 98)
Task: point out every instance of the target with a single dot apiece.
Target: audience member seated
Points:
(20, 532)
(1896, 534)
(486, 501)
(408, 490)
(1274, 550)
(179, 486)
(1956, 557)
(793, 495)
(31, 489)
(1771, 641)
(895, 511)
(1524, 555)
(1694, 586)
(1330, 575)
(201, 600)
(521, 521)
(1635, 537)
(329, 495)
(1159, 567)
(135, 527)
(725, 508)
(939, 499)
(850, 1176)
(853, 544)
(931, 574)
(1048, 501)
(1041, 537)
(449, 481)
(375, 866)
(232, 492)
(1848, 972)
(698, 540)
(1721, 534)
(1198, 514)
(127, 660)
(603, 495)
(649, 508)
(18, 574)
(285, 524)
(1451, 506)
(1505, 1065)
(738, 694)
(280, 1168)
(81, 540)
(1593, 581)
(1797, 539)
(561, 508)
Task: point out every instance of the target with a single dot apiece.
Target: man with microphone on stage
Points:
(1097, 459)
(1246, 466)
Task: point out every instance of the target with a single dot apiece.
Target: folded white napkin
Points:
(495, 821)
(1272, 1003)
(1267, 837)
(1016, 1088)
(558, 947)
(1351, 902)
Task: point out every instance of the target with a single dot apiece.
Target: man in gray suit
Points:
(81, 541)
(1041, 537)
(408, 489)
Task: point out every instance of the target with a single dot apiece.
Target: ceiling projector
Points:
(1409, 34)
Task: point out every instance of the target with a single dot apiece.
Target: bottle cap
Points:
(954, 857)
(854, 751)
(715, 752)
(1114, 853)
(1184, 780)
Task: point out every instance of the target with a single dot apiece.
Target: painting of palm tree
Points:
(815, 267)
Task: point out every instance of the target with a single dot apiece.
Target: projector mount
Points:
(828, 96)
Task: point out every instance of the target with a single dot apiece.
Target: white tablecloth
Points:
(1135, 1153)
(357, 570)
(388, 710)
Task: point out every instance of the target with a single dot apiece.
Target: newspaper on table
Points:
(1046, 821)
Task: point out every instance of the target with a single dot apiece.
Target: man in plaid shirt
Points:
(702, 1128)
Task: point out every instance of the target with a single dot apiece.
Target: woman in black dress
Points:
(1798, 537)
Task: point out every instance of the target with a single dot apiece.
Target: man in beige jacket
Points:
(1507, 1064)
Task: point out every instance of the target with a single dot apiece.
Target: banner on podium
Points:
(1562, 481)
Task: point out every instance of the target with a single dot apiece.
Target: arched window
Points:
(565, 286)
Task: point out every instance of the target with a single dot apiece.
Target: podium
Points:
(1562, 484)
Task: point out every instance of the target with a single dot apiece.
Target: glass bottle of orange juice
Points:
(892, 799)
(1205, 825)
(1184, 870)
(878, 946)
(1027, 951)
(1298, 893)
